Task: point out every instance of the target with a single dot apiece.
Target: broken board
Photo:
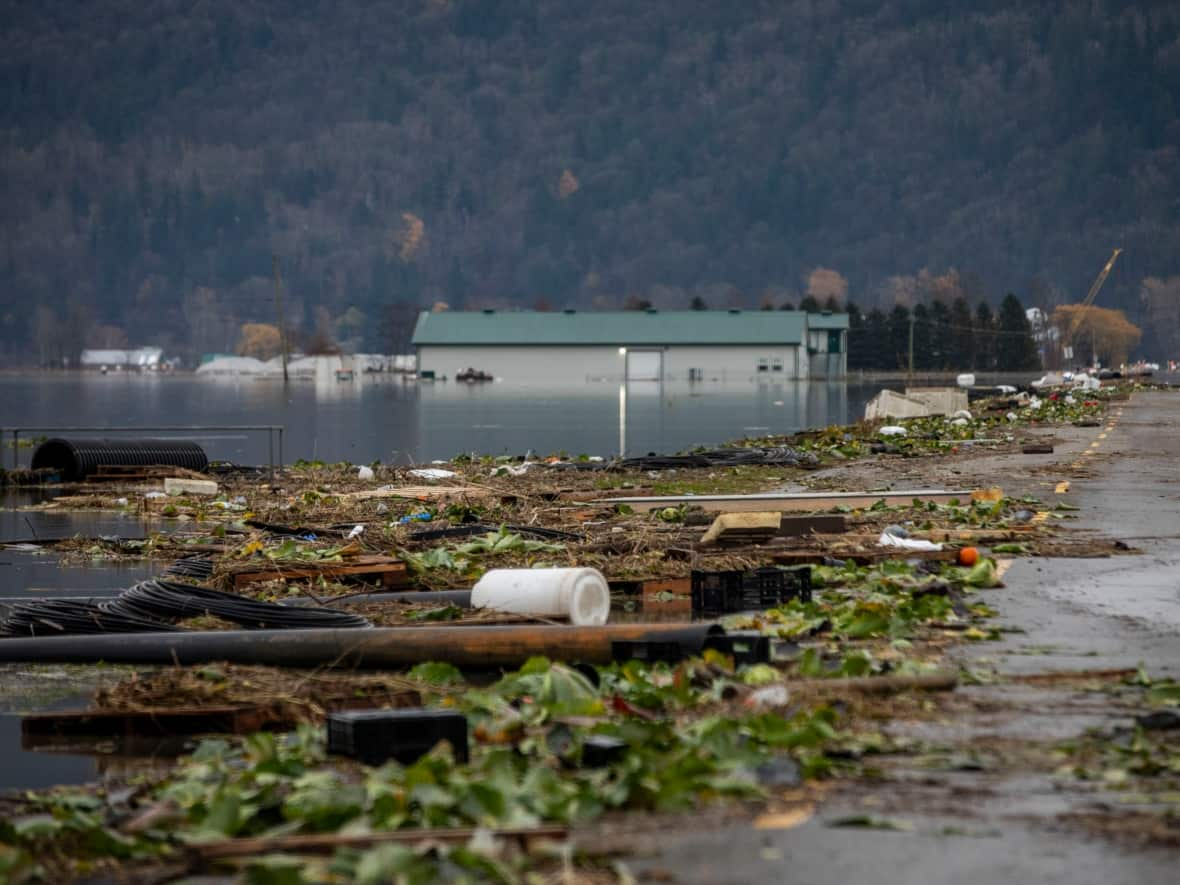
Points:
(383, 570)
(860, 557)
(788, 501)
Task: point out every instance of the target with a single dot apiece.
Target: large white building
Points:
(574, 347)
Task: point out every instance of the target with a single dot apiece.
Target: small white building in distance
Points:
(142, 358)
(690, 345)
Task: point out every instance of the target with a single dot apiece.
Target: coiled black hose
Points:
(198, 567)
(169, 599)
(60, 617)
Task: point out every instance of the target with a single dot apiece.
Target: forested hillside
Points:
(154, 156)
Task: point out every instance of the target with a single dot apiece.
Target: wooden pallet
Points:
(383, 570)
(860, 557)
(139, 473)
(39, 729)
(654, 593)
(48, 729)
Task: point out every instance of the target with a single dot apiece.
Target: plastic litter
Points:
(357, 531)
(888, 540)
(966, 380)
(892, 430)
(364, 472)
(1006, 388)
(896, 530)
(769, 696)
(960, 422)
(513, 470)
(962, 413)
(424, 516)
(1011, 416)
(433, 473)
(581, 594)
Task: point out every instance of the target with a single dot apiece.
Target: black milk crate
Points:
(745, 646)
(598, 751)
(737, 591)
(650, 650)
(376, 736)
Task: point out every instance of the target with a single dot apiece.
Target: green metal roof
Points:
(629, 328)
(826, 321)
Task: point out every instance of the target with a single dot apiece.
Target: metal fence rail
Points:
(272, 431)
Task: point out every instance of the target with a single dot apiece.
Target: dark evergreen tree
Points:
(697, 303)
(961, 335)
(875, 341)
(898, 338)
(985, 338)
(1016, 350)
(809, 304)
(856, 342)
(940, 336)
(923, 340)
(833, 305)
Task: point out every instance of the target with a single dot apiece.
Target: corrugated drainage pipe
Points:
(75, 459)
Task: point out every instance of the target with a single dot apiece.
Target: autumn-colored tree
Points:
(823, 284)
(1096, 331)
(567, 185)
(259, 340)
(410, 236)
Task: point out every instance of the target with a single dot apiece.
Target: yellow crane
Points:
(1089, 300)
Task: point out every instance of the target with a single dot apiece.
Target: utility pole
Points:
(274, 259)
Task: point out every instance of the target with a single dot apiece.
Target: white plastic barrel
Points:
(966, 380)
(580, 594)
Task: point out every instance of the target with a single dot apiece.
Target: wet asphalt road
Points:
(1077, 614)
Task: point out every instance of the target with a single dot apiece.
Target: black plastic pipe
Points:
(384, 647)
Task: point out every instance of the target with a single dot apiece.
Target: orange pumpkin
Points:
(968, 556)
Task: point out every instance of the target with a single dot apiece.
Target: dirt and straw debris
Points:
(858, 669)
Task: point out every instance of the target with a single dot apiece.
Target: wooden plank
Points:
(679, 588)
(420, 493)
(387, 572)
(860, 557)
(742, 526)
(824, 523)
(787, 501)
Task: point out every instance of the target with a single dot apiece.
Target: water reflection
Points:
(632, 418)
(22, 769)
(388, 418)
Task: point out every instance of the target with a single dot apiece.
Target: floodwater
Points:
(27, 571)
(24, 769)
(387, 418)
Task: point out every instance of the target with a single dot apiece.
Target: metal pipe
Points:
(386, 647)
